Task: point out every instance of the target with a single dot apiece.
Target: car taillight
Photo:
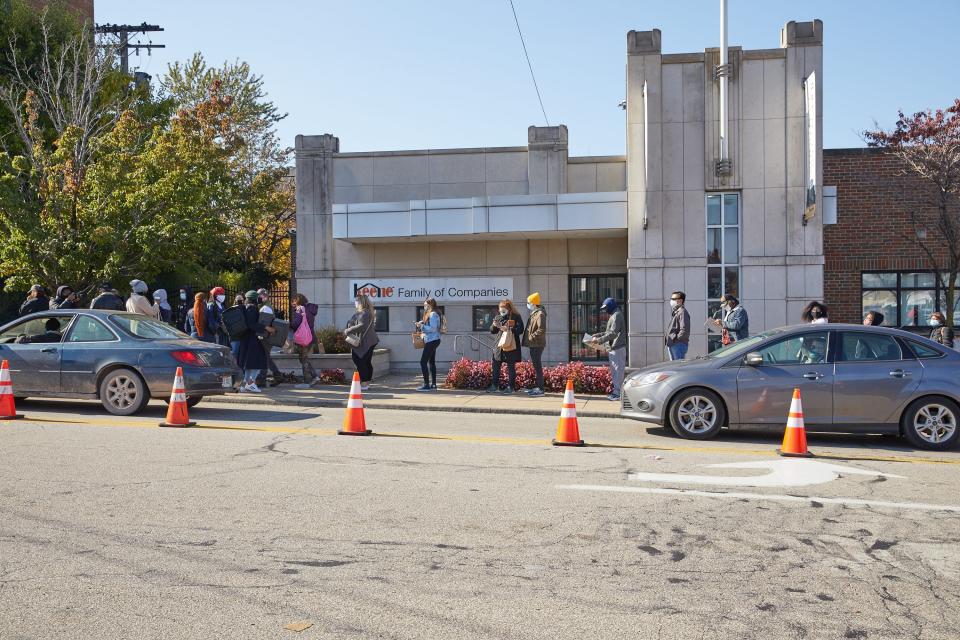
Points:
(189, 357)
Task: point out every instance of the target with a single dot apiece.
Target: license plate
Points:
(226, 381)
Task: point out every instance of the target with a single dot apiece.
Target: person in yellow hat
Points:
(535, 339)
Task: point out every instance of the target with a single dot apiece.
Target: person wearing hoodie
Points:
(218, 332)
(253, 358)
(66, 298)
(304, 336)
(108, 299)
(164, 308)
(138, 302)
(36, 301)
(615, 340)
(535, 339)
(197, 319)
(184, 307)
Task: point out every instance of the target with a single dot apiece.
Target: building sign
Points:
(450, 290)
(810, 118)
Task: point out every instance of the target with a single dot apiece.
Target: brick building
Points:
(872, 258)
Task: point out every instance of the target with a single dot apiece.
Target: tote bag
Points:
(303, 336)
(507, 341)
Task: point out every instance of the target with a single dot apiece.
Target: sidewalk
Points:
(398, 391)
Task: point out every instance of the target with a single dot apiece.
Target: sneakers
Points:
(365, 386)
(425, 387)
(250, 388)
(613, 397)
(490, 389)
(434, 386)
(507, 392)
(314, 382)
(535, 392)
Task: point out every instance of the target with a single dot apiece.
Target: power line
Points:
(529, 65)
(124, 45)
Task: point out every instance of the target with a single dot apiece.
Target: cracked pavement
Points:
(110, 527)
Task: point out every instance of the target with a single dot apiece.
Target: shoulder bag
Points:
(354, 340)
(507, 341)
(418, 342)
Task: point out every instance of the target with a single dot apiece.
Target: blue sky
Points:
(386, 74)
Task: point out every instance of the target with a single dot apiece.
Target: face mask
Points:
(815, 313)
(221, 298)
(503, 312)
(934, 322)
(358, 306)
(183, 296)
(674, 303)
(531, 306)
(426, 307)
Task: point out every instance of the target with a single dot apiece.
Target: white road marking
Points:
(783, 473)
(850, 502)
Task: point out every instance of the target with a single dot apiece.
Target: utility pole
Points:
(123, 31)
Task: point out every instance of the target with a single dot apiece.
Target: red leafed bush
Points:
(476, 374)
(332, 376)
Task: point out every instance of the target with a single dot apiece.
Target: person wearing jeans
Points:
(362, 325)
(615, 340)
(535, 339)
(677, 337)
(429, 326)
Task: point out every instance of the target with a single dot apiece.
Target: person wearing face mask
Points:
(184, 306)
(196, 320)
(164, 309)
(506, 351)
(814, 313)
(873, 319)
(218, 331)
(677, 337)
(615, 341)
(941, 333)
(362, 325)
(263, 299)
(107, 299)
(429, 326)
(734, 322)
(535, 339)
(138, 302)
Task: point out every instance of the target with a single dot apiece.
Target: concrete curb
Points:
(373, 404)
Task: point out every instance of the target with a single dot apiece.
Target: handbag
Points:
(354, 340)
(303, 336)
(418, 342)
(507, 341)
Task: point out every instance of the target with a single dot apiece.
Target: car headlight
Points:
(650, 378)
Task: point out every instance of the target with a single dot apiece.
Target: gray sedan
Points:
(852, 378)
(122, 359)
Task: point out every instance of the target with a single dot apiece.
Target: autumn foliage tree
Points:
(928, 145)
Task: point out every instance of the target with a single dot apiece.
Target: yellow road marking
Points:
(317, 431)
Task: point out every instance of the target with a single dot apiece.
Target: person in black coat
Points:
(507, 320)
(108, 299)
(252, 357)
(66, 298)
(36, 301)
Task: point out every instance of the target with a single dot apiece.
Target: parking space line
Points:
(850, 502)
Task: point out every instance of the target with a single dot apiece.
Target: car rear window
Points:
(141, 327)
(922, 351)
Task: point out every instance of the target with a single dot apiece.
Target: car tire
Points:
(697, 414)
(192, 401)
(932, 423)
(123, 392)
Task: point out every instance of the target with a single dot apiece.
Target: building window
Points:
(587, 293)
(723, 253)
(483, 316)
(382, 322)
(906, 299)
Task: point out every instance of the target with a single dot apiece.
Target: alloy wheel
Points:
(122, 392)
(934, 423)
(697, 414)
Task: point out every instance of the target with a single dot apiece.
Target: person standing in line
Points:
(234, 341)
(814, 313)
(677, 337)
(535, 339)
(66, 298)
(263, 298)
(941, 332)
(735, 324)
(429, 326)
(614, 340)
(184, 307)
(36, 301)
(873, 319)
(196, 325)
(218, 332)
(362, 326)
(253, 359)
(304, 336)
(108, 299)
(138, 302)
(506, 321)
(164, 309)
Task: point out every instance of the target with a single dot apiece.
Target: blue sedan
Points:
(122, 359)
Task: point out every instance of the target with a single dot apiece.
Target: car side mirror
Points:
(753, 359)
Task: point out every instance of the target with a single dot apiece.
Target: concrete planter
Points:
(290, 363)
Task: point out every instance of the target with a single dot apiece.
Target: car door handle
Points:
(49, 350)
(813, 375)
(900, 373)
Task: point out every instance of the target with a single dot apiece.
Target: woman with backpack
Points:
(429, 327)
(304, 336)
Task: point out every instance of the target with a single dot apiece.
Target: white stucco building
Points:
(475, 225)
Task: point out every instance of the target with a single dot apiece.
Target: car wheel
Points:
(697, 414)
(123, 392)
(931, 423)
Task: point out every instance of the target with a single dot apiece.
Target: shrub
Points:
(332, 376)
(477, 374)
(333, 340)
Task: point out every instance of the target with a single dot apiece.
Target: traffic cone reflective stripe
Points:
(8, 409)
(795, 436)
(177, 411)
(354, 423)
(568, 432)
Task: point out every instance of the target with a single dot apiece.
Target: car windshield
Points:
(143, 327)
(743, 346)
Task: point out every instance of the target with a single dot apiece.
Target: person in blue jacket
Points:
(429, 326)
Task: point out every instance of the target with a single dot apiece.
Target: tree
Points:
(928, 144)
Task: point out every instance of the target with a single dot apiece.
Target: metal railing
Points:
(458, 344)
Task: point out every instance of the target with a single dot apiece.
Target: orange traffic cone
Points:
(568, 432)
(8, 410)
(795, 437)
(354, 424)
(177, 411)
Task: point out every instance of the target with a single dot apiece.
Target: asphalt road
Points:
(462, 526)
